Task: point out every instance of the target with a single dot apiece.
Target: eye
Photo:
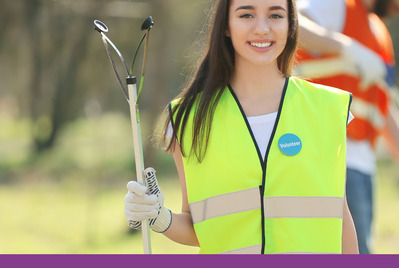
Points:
(276, 16)
(246, 16)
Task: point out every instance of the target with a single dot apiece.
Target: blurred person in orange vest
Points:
(345, 44)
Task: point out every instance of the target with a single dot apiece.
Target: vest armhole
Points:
(171, 114)
(349, 107)
(174, 134)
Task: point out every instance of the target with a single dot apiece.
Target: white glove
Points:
(369, 65)
(146, 203)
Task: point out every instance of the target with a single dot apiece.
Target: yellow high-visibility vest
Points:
(291, 202)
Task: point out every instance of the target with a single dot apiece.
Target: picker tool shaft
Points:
(138, 152)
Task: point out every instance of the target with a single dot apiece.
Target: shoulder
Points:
(319, 89)
(327, 13)
(325, 7)
(325, 99)
(195, 101)
(179, 103)
(175, 102)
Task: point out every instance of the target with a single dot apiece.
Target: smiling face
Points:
(258, 30)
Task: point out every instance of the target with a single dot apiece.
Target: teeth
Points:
(261, 45)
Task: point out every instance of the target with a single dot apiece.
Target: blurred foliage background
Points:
(66, 149)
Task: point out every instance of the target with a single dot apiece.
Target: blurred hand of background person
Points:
(366, 62)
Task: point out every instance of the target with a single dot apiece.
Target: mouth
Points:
(261, 45)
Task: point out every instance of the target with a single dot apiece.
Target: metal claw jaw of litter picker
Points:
(132, 96)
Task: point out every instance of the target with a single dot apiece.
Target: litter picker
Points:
(132, 96)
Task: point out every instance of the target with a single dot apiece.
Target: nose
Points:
(262, 26)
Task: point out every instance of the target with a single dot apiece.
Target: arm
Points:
(349, 238)
(391, 132)
(316, 38)
(181, 229)
(353, 55)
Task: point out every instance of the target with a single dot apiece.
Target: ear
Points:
(227, 32)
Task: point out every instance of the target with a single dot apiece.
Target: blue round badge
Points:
(290, 144)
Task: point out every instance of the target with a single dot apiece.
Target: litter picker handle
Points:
(138, 153)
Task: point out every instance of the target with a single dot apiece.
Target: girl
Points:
(260, 155)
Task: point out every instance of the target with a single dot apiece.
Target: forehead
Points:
(258, 3)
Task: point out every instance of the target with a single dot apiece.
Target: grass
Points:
(70, 199)
(386, 209)
(55, 218)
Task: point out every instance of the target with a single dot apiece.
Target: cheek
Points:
(236, 32)
(282, 31)
(234, 27)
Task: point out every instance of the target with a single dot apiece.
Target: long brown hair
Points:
(213, 76)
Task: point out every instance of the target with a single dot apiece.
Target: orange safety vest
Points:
(370, 106)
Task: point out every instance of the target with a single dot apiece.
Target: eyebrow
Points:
(253, 8)
(277, 8)
(245, 7)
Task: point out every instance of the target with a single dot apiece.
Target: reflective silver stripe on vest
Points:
(248, 250)
(275, 207)
(304, 207)
(305, 252)
(257, 250)
(225, 204)
(365, 110)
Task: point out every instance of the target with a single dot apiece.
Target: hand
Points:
(146, 203)
(369, 65)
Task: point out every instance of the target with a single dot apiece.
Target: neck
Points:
(258, 88)
(255, 81)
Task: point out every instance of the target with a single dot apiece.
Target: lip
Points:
(261, 44)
